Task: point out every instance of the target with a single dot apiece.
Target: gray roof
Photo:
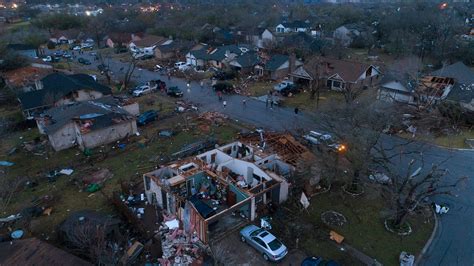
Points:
(217, 54)
(248, 59)
(463, 89)
(458, 71)
(58, 85)
(103, 113)
(276, 61)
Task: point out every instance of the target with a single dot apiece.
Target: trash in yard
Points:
(441, 209)
(173, 224)
(195, 147)
(265, 223)
(66, 171)
(97, 177)
(17, 234)
(91, 188)
(132, 253)
(122, 146)
(380, 178)
(48, 211)
(10, 218)
(336, 237)
(32, 212)
(165, 133)
(12, 151)
(406, 259)
(214, 117)
(5, 163)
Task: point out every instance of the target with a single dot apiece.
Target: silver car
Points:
(264, 242)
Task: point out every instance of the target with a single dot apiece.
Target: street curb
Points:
(430, 240)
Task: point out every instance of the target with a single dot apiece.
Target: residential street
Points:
(454, 240)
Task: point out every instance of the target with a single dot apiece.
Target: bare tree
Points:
(409, 188)
(8, 188)
(129, 73)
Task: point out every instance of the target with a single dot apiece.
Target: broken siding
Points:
(107, 135)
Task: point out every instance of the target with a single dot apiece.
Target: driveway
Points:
(454, 241)
(246, 255)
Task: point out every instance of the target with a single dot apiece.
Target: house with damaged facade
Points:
(226, 186)
(88, 124)
(58, 89)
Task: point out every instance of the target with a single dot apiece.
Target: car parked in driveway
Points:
(264, 242)
(181, 66)
(83, 61)
(323, 139)
(147, 117)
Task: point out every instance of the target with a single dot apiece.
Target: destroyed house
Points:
(219, 189)
(87, 124)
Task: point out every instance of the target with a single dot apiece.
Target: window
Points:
(259, 241)
(329, 83)
(256, 232)
(336, 84)
(275, 244)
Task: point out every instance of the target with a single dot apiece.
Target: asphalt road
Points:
(454, 241)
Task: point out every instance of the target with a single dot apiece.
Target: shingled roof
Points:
(58, 85)
(103, 111)
(349, 71)
(275, 62)
(463, 89)
(33, 251)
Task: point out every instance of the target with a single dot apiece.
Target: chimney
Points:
(292, 62)
(38, 85)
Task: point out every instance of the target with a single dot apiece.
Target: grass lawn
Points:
(363, 231)
(260, 88)
(304, 102)
(449, 141)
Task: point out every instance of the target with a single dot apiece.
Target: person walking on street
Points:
(202, 84)
(244, 103)
(296, 111)
(219, 95)
(224, 103)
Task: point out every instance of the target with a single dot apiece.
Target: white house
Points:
(295, 26)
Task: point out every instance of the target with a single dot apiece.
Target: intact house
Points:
(247, 63)
(65, 36)
(87, 124)
(60, 89)
(119, 39)
(346, 34)
(295, 26)
(240, 178)
(218, 57)
(146, 45)
(396, 90)
(24, 50)
(279, 66)
(174, 49)
(337, 74)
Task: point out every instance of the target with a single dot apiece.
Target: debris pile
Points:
(179, 248)
(214, 117)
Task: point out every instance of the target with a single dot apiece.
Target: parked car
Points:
(157, 68)
(286, 88)
(181, 66)
(174, 92)
(47, 59)
(83, 61)
(67, 56)
(142, 90)
(264, 242)
(318, 261)
(282, 85)
(147, 117)
(76, 48)
(87, 47)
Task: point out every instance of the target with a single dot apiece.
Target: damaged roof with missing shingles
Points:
(103, 112)
(33, 251)
(463, 89)
(58, 85)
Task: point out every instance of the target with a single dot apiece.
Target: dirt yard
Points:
(226, 247)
